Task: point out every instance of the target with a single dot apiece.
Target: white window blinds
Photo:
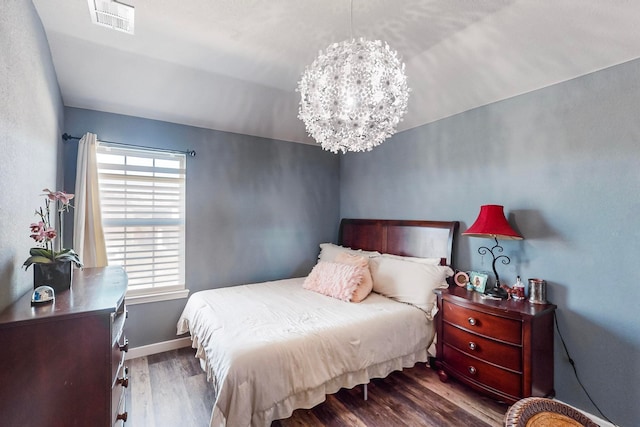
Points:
(143, 213)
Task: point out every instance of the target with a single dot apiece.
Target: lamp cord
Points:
(575, 370)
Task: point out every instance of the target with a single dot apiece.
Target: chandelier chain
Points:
(351, 20)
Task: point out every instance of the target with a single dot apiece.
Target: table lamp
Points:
(491, 223)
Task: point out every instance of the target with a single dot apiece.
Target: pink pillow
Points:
(335, 280)
(366, 284)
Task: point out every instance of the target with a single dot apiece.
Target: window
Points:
(142, 197)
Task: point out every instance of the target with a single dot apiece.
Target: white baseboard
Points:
(158, 347)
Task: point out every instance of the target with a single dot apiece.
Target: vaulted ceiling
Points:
(233, 65)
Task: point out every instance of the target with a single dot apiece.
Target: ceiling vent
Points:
(112, 14)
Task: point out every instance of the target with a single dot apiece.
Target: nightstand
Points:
(503, 349)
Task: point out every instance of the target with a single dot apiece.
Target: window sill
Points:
(157, 297)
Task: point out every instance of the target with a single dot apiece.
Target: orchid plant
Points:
(45, 233)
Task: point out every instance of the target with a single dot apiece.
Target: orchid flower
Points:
(60, 196)
(44, 233)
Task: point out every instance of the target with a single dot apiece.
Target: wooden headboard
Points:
(426, 239)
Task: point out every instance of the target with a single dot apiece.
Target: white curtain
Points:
(88, 235)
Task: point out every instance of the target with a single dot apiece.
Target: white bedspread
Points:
(273, 347)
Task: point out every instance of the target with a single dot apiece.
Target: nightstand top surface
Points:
(462, 295)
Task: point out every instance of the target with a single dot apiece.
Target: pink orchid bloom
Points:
(58, 195)
(37, 237)
(64, 197)
(50, 233)
(37, 227)
(37, 231)
(50, 194)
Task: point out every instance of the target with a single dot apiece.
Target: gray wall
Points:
(256, 208)
(30, 122)
(564, 162)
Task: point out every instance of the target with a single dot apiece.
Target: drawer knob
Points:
(124, 382)
(472, 321)
(122, 417)
(472, 345)
(124, 347)
(472, 370)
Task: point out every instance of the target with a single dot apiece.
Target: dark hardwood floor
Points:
(170, 389)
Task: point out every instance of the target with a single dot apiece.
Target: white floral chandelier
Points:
(353, 96)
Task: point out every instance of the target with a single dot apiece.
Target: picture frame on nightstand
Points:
(478, 281)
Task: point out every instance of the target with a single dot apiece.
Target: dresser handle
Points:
(472, 370)
(122, 417)
(124, 347)
(124, 382)
(472, 321)
(472, 345)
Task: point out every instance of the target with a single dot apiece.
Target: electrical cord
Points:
(575, 370)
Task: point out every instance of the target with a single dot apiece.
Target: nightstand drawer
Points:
(491, 376)
(498, 353)
(498, 328)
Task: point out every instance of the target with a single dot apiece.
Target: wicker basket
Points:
(541, 412)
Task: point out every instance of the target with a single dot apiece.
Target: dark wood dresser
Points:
(62, 363)
(501, 348)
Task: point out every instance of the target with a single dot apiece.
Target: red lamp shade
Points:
(491, 222)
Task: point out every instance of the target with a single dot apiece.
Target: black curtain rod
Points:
(191, 153)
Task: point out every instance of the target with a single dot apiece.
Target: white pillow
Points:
(408, 281)
(329, 252)
(432, 261)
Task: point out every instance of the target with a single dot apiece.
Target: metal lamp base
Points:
(497, 292)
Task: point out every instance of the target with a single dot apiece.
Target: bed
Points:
(270, 348)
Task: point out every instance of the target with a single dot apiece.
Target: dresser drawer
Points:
(120, 415)
(118, 352)
(479, 371)
(118, 393)
(118, 318)
(498, 353)
(499, 328)
(119, 342)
